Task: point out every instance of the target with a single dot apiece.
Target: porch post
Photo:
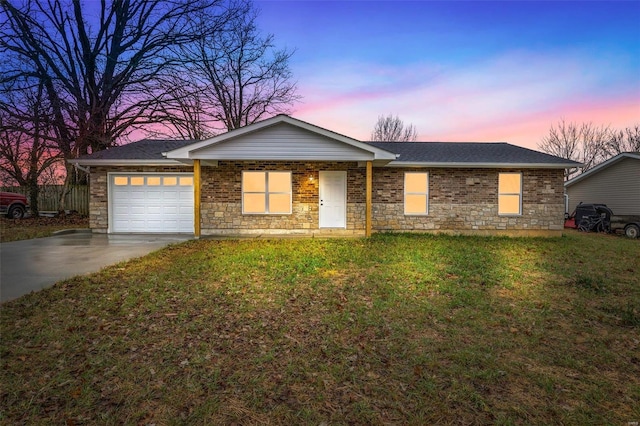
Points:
(368, 207)
(196, 198)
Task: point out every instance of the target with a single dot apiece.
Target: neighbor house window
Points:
(509, 193)
(416, 193)
(266, 192)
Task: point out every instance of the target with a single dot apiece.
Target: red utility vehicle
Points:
(13, 205)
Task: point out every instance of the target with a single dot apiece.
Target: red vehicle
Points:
(13, 205)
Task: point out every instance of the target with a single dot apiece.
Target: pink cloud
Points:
(512, 98)
(527, 129)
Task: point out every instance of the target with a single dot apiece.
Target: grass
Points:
(38, 227)
(397, 329)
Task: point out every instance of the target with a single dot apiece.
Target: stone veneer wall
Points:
(467, 200)
(459, 199)
(98, 196)
(221, 199)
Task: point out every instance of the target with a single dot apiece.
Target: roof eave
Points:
(482, 165)
(123, 162)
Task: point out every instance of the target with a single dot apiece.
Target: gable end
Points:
(282, 142)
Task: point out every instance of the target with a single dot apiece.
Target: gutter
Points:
(483, 165)
(90, 162)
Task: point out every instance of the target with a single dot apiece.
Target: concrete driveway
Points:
(31, 265)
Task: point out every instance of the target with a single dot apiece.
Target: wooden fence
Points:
(77, 199)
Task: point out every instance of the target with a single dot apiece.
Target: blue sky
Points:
(462, 70)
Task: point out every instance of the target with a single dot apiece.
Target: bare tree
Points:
(584, 143)
(184, 109)
(627, 140)
(26, 153)
(391, 128)
(98, 61)
(236, 76)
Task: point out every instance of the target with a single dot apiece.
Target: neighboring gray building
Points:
(616, 183)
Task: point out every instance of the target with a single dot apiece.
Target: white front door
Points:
(333, 199)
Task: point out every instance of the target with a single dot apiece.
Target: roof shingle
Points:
(145, 149)
(440, 153)
(467, 152)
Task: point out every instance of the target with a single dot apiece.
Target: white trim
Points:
(190, 151)
(90, 162)
(266, 192)
(610, 162)
(480, 165)
(124, 172)
(377, 163)
(519, 194)
(404, 194)
(117, 173)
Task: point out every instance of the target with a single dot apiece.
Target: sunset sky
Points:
(462, 70)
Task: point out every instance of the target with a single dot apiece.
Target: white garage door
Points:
(151, 203)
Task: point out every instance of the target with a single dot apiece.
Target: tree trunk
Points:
(33, 191)
(65, 189)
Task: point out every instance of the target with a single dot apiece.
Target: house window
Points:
(416, 193)
(266, 192)
(509, 194)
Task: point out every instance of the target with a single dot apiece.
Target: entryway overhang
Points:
(281, 138)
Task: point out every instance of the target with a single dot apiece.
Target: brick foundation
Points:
(469, 217)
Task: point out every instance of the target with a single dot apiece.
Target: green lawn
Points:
(396, 329)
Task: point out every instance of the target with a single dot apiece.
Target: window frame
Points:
(267, 192)
(405, 193)
(519, 194)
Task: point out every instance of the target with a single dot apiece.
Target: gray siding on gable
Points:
(617, 186)
(283, 142)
